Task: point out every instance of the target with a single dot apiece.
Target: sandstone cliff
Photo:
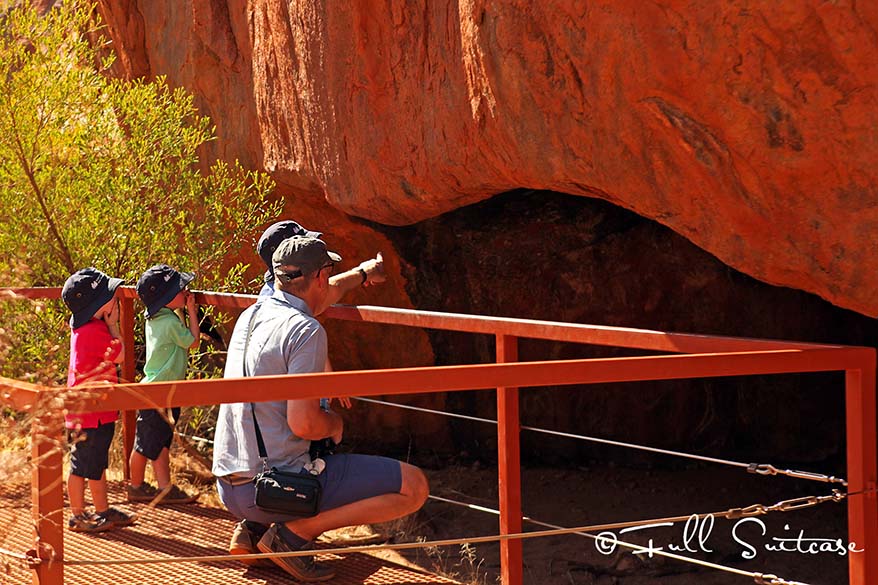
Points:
(747, 127)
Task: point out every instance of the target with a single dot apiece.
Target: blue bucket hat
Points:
(86, 291)
(159, 285)
(274, 235)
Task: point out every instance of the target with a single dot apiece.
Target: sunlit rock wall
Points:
(748, 128)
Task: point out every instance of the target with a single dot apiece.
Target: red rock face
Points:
(747, 127)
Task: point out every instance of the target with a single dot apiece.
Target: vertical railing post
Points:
(47, 495)
(509, 467)
(129, 417)
(862, 473)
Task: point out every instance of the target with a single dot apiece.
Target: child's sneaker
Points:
(88, 522)
(142, 493)
(175, 495)
(117, 518)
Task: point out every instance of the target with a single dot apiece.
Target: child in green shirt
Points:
(162, 289)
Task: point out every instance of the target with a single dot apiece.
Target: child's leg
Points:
(98, 489)
(76, 494)
(137, 467)
(162, 465)
(98, 461)
(162, 468)
(145, 448)
(88, 459)
(111, 517)
(153, 439)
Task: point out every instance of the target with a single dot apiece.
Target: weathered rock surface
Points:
(747, 127)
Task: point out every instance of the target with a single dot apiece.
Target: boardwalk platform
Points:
(167, 532)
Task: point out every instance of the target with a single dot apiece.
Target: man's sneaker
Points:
(88, 522)
(175, 495)
(302, 568)
(142, 493)
(243, 538)
(117, 518)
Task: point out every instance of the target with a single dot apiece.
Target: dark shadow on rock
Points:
(546, 255)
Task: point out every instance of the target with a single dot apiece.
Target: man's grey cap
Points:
(301, 255)
(274, 235)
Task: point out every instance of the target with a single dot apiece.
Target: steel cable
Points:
(754, 510)
(756, 468)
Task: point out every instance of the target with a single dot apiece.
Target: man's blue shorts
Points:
(153, 433)
(90, 450)
(347, 478)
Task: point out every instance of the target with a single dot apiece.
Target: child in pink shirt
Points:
(95, 349)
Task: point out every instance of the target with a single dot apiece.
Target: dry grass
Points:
(14, 448)
(462, 563)
(191, 472)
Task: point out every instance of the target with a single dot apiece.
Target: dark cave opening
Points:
(553, 256)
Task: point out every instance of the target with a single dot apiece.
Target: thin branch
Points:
(66, 258)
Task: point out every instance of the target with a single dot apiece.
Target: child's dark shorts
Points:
(90, 450)
(153, 432)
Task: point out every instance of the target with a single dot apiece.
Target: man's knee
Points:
(414, 484)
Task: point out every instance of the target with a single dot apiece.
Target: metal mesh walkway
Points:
(171, 531)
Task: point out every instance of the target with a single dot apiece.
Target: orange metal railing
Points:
(695, 356)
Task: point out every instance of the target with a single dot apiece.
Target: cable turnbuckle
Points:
(748, 512)
(783, 505)
(769, 579)
(32, 559)
(807, 501)
(768, 469)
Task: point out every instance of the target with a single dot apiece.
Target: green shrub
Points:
(96, 171)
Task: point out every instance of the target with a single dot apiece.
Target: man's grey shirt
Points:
(285, 339)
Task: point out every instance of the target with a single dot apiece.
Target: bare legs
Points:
(161, 467)
(76, 493)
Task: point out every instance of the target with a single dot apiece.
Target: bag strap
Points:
(260, 443)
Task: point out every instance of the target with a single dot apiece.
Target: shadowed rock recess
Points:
(546, 255)
(746, 129)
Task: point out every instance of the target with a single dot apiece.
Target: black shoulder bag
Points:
(281, 492)
(284, 492)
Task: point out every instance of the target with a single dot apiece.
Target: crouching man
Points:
(281, 336)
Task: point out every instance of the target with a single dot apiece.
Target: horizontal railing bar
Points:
(527, 328)
(224, 300)
(216, 299)
(559, 331)
(463, 377)
(54, 292)
(18, 395)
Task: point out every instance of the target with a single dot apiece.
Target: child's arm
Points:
(192, 311)
(112, 321)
